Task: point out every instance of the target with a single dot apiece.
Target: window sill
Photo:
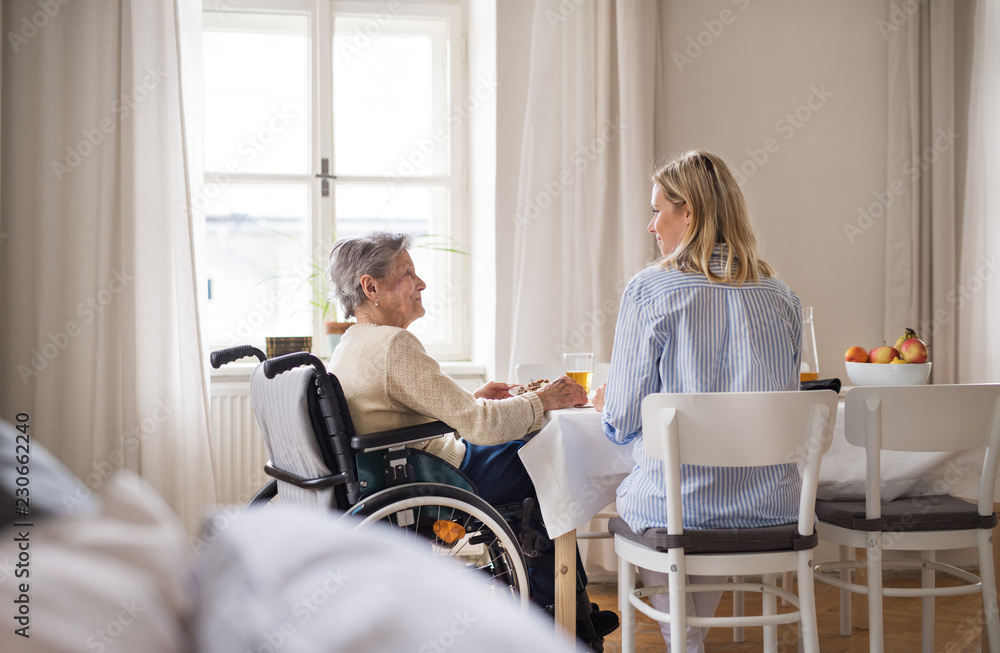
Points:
(463, 369)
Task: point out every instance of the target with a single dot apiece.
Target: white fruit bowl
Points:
(888, 374)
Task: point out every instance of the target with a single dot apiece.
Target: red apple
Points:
(856, 355)
(913, 351)
(883, 354)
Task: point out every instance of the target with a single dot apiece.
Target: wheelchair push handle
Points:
(275, 366)
(223, 356)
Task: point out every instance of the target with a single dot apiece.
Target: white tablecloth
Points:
(576, 469)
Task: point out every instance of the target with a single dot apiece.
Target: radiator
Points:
(238, 452)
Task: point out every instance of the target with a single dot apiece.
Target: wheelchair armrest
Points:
(307, 483)
(403, 436)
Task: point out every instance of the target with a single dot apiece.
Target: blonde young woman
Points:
(709, 317)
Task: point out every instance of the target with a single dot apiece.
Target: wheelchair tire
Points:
(488, 544)
(264, 495)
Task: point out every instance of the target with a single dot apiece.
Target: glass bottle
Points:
(809, 368)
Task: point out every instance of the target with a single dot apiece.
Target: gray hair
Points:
(353, 258)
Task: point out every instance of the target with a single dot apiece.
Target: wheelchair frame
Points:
(417, 489)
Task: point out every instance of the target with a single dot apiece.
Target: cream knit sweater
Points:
(391, 382)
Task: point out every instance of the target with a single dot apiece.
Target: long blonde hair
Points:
(719, 215)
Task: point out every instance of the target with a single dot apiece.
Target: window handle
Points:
(325, 176)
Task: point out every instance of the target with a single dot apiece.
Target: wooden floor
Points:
(957, 624)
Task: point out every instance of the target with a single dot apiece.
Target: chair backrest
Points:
(925, 418)
(922, 417)
(739, 429)
(528, 372)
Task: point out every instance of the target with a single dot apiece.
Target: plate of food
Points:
(535, 386)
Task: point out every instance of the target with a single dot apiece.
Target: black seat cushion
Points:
(724, 540)
(924, 513)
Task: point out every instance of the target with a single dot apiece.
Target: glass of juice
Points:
(580, 368)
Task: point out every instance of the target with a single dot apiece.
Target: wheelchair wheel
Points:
(264, 496)
(455, 523)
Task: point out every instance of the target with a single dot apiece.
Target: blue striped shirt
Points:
(680, 332)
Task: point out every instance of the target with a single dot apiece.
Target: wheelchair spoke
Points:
(458, 524)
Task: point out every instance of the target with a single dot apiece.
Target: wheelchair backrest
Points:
(281, 406)
(307, 429)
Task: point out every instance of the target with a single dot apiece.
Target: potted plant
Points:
(334, 331)
(332, 325)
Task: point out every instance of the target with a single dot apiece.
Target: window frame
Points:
(322, 217)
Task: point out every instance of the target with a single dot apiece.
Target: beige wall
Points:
(807, 81)
(769, 58)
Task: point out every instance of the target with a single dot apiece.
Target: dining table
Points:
(576, 470)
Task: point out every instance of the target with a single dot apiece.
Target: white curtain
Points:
(978, 291)
(584, 187)
(921, 225)
(99, 327)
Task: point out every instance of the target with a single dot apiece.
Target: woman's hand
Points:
(494, 390)
(599, 398)
(562, 393)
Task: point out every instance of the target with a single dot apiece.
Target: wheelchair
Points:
(317, 460)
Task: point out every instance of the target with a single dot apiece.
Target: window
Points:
(363, 92)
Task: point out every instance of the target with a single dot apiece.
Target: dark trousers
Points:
(501, 479)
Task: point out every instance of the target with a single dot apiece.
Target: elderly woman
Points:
(391, 382)
(709, 317)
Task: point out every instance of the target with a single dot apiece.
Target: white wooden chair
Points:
(728, 430)
(915, 418)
